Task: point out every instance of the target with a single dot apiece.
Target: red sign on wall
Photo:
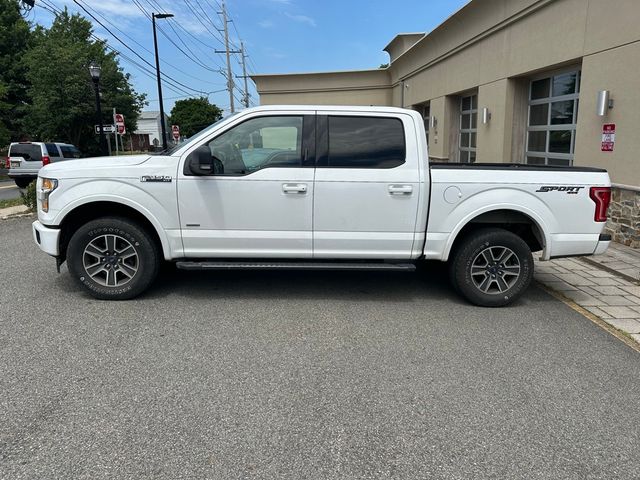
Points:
(608, 137)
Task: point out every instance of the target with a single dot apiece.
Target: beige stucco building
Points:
(510, 81)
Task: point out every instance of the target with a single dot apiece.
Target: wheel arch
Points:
(520, 221)
(85, 212)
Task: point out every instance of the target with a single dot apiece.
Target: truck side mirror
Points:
(199, 162)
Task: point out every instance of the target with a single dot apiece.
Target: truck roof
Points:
(332, 108)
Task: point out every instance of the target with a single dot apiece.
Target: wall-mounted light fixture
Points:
(605, 103)
(486, 115)
(433, 122)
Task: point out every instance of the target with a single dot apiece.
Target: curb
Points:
(13, 212)
(612, 271)
(619, 334)
(17, 215)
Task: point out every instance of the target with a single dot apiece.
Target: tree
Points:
(5, 133)
(194, 114)
(63, 99)
(14, 41)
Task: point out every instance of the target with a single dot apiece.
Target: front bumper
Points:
(46, 238)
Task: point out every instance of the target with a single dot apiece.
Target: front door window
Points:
(258, 143)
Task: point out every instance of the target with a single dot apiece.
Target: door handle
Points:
(400, 189)
(294, 188)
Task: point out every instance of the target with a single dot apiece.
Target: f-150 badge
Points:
(156, 178)
(556, 188)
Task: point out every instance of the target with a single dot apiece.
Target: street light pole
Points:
(95, 70)
(155, 45)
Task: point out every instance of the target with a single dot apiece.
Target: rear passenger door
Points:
(53, 153)
(366, 186)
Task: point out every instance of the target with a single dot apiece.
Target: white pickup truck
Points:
(315, 187)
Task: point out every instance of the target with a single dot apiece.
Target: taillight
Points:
(45, 160)
(601, 196)
(7, 163)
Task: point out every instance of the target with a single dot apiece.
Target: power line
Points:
(174, 88)
(215, 27)
(77, 2)
(181, 70)
(168, 37)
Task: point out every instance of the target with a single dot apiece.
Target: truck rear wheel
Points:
(492, 267)
(113, 258)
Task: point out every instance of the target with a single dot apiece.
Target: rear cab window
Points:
(365, 142)
(28, 151)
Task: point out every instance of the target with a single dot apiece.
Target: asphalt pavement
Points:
(303, 375)
(8, 190)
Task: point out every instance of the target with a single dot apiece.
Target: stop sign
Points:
(175, 130)
(118, 119)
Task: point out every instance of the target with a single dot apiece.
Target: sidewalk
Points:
(10, 211)
(606, 285)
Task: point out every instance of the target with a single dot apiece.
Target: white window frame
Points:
(546, 155)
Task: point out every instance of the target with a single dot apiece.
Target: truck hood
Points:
(94, 166)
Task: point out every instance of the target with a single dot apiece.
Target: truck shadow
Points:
(431, 280)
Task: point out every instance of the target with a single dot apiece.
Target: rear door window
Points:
(52, 149)
(365, 142)
(28, 151)
(70, 151)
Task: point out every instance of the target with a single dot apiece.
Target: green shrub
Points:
(29, 197)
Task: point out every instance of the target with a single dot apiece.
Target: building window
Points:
(468, 128)
(553, 114)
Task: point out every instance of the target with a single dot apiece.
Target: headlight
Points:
(48, 185)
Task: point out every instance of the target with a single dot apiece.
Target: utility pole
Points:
(244, 75)
(115, 135)
(230, 84)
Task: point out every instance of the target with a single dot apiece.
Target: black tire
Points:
(23, 182)
(115, 280)
(492, 284)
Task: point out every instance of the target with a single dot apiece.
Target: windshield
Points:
(174, 148)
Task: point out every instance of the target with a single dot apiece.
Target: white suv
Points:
(25, 159)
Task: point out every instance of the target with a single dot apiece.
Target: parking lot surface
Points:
(303, 375)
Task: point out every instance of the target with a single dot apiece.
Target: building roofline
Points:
(407, 34)
(265, 75)
(437, 28)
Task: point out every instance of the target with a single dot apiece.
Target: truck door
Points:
(367, 186)
(258, 202)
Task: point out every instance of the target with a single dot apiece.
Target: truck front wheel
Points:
(492, 267)
(113, 258)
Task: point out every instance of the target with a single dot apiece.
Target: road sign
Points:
(608, 137)
(175, 130)
(118, 120)
(105, 129)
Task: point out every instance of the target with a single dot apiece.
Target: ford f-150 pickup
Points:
(315, 187)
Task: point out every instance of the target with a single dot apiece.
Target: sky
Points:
(280, 36)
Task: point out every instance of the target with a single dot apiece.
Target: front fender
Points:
(159, 206)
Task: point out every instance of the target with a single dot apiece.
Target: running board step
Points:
(206, 265)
